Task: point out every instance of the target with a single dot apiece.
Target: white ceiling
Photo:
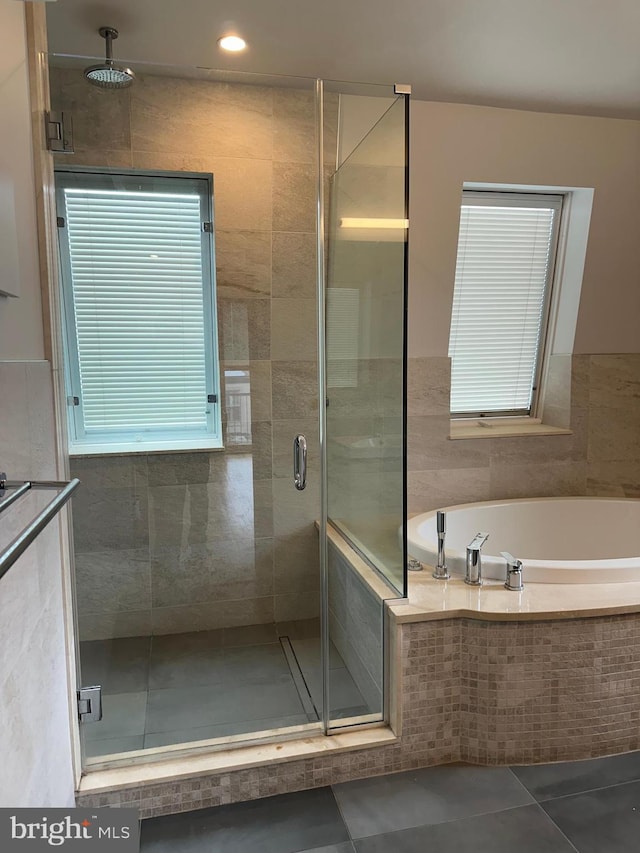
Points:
(577, 56)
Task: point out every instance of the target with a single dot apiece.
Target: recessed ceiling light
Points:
(232, 43)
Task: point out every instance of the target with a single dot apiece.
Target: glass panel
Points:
(197, 577)
(365, 418)
(365, 344)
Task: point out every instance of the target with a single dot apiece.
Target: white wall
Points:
(452, 144)
(35, 743)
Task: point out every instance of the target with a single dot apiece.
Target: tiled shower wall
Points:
(187, 541)
(597, 396)
(356, 615)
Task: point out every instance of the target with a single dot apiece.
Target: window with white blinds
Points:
(138, 290)
(504, 269)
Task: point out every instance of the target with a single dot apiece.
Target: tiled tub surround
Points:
(597, 396)
(151, 527)
(479, 691)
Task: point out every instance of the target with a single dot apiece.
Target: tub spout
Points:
(441, 573)
(473, 575)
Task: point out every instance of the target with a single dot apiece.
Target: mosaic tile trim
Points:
(481, 692)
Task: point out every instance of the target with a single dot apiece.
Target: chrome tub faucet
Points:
(473, 574)
(441, 572)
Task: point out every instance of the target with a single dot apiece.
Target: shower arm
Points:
(108, 33)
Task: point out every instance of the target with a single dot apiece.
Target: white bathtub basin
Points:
(559, 540)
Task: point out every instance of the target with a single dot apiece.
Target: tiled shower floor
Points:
(177, 688)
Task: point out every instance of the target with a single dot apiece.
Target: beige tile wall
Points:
(480, 692)
(35, 746)
(595, 395)
(174, 535)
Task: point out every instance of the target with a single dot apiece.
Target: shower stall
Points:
(232, 277)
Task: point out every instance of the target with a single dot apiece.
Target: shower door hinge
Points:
(59, 132)
(212, 398)
(207, 227)
(90, 704)
(60, 221)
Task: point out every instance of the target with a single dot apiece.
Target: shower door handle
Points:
(300, 462)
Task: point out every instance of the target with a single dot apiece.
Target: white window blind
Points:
(506, 249)
(139, 293)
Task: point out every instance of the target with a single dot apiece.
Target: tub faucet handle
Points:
(514, 572)
(473, 575)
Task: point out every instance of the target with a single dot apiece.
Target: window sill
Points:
(502, 428)
(142, 449)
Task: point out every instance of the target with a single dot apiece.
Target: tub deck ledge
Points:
(430, 599)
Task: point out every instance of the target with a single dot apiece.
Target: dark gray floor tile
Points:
(308, 652)
(525, 830)
(184, 660)
(118, 666)
(213, 704)
(299, 629)
(434, 795)
(345, 847)
(255, 663)
(603, 821)
(123, 715)
(284, 824)
(223, 730)
(344, 695)
(110, 746)
(546, 781)
(347, 713)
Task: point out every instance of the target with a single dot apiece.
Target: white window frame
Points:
(518, 198)
(110, 442)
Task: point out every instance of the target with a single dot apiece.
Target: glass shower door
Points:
(196, 559)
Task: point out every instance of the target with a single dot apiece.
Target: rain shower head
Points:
(109, 75)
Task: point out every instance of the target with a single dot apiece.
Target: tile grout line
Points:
(553, 823)
(521, 783)
(591, 790)
(580, 793)
(342, 817)
(453, 820)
